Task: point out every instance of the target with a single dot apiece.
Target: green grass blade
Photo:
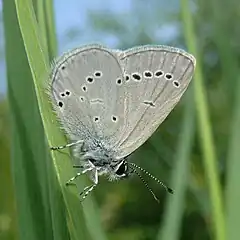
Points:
(42, 26)
(176, 203)
(233, 177)
(50, 27)
(62, 165)
(205, 130)
(227, 56)
(56, 206)
(7, 199)
(29, 167)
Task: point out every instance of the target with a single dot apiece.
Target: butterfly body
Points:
(103, 160)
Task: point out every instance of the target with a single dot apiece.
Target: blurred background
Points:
(197, 158)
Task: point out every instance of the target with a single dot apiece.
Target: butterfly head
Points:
(120, 170)
(105, 162)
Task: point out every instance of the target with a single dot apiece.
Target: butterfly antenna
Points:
(169, 190)
(146, 185)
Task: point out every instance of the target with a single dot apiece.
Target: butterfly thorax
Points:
(103, 160)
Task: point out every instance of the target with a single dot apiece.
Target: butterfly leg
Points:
(86, 191)
(70, 181)
(67, 145)
(93, 177)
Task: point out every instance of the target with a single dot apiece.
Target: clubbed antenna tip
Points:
(170, 190)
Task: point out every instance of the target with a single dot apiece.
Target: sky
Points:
(73, 16)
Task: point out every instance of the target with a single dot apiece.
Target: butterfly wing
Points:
(87, 93)
(156, 78)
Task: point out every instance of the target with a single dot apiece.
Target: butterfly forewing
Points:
(88, 94)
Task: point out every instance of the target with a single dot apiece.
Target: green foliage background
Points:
(195, 151)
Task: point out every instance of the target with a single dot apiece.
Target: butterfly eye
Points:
(121, 169)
